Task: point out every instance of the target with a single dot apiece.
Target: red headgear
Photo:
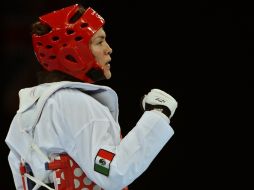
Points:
(66, 47)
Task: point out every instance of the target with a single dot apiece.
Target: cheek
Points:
(97, 54)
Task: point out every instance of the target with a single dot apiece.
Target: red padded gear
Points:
(66, 47)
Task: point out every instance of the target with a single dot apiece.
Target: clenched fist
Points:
(159, 100)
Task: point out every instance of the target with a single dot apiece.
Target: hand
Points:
(159, 100)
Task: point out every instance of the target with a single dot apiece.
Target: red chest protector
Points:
(67, 175)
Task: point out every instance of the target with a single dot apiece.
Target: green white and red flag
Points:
(102, 161)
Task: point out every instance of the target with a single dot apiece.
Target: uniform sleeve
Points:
(134, 153)
(90, 130)
(14, 164)
(139, 148)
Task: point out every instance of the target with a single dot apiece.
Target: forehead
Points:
(99, 34)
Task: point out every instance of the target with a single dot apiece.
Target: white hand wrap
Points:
(159, 100)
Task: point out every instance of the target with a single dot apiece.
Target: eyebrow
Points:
(98, 38)
(101, 36)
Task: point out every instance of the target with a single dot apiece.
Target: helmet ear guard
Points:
(66, 46)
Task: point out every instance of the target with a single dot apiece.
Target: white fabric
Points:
(80, 119)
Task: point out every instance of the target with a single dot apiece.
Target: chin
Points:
(107, 75)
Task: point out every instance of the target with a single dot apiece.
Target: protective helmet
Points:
(66, 47)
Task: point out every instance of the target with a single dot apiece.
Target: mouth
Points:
(107, 65)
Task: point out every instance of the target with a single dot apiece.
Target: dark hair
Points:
(44, 76)
(40, 29)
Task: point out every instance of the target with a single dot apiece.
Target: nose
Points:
(108, 49)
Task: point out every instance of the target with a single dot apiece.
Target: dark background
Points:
(200, 53)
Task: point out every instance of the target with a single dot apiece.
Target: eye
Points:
(100, 42)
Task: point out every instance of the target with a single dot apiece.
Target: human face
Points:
(101, 51)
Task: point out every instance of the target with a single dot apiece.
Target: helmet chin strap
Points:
(96, 74)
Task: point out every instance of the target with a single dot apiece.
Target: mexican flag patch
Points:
(102, 161)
